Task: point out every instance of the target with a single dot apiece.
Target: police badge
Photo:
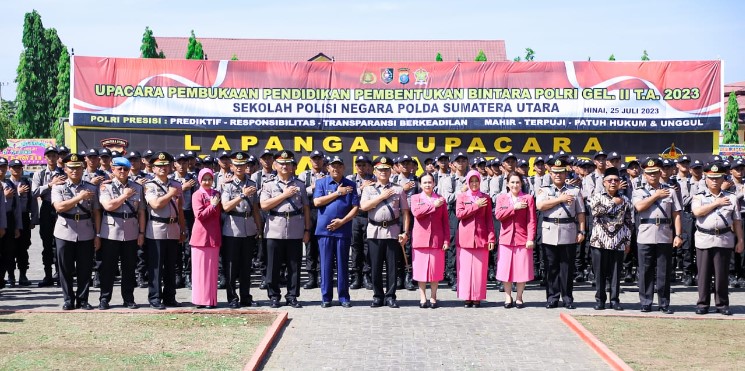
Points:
(386, 75)
(422, 77)
(403, 76)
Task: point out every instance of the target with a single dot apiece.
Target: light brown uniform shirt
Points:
(382, 212)
(156, 230)
(280, 226)
(721, 218)
(117, 228)
(560, 233)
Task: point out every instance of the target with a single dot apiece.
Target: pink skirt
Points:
(428, 264)
(472, 265)
(515, 264)
(204, 275)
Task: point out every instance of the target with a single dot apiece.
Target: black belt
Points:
(559, 220)
(384, 224)
(714, 232)
(244, 214)
(172, 220)
(286, 214)
(75, 217)
(120, 215)
(655, 221)
(362, 214)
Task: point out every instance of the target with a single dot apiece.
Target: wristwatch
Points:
(582, 233)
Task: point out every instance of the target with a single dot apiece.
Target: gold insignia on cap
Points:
(162, 156)
(383, 160)
(714, 168)
(239, 156)
(74, 158)
(557, 163)
(650, 163)
(285, 155)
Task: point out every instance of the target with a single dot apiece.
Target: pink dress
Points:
(515, 263)
(431, 231)
(475, 232)
(205, 248)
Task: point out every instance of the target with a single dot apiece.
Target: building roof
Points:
(337, 50)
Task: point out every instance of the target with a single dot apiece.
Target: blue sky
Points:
(556, 30)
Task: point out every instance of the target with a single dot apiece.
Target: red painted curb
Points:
(606, 354)
(266, 342)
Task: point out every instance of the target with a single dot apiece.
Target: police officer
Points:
(122, 231)
(135, 172)
(408, 180)
(450, 189)
(188, 182)
(360, 253)
(563, 214)
(286, 229)
(337, 201)
(717, 215)
(29, 217)
(95, 175)
(241, 227)
(76, 232)
(261, 177)
(41, 187)
(386, 204)
(14, 223)
(309, 177)
(659, 231)
(165, 229)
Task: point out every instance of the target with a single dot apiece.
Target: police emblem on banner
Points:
(421, 77)
(368, 78)
(115, 144)
(386, 75)
(403, 76)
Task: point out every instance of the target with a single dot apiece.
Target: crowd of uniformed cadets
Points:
(103, 214)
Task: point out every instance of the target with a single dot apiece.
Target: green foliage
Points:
(517, 59)
(612, 57)
(645, 56)
(62, 99)
(149, 47)
(194, 50)
(731, 121)
(529, 55)
(481, 57)
(7, 122)
(438, 58)
(234, 58)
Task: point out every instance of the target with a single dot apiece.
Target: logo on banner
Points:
(403, 76)
(368, 78)
(671, 153)
(422, 77)
(115, 144)
(386, 75)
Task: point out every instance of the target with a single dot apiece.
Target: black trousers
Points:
(538, 250)
(161, 266)
(714, 261)
(111, 253)
(360, 251)
(47, 220)
(402, 265)
(688, 224)
(559, 263)
(493, 254)
(289, 252)
(237, 253)
(312, 253)
(22, 244)
(8, 246)
(655, 260)
(584, 254)
(384, 251)
(75, 257)
(630, 259)
(142, 262)
(183, 259)
(607, 265)
(450, 256)
(260, 260)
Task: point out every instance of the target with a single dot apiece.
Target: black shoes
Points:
(424, 304)
(500, 286)
(519, 304)
(156, 305)
(391, 303)
(570, 306)
(552, 305)
(312, 282)
(131, 305)
(702, 311)
(249, 303)
(84, 305)
(725, 311)
(346, 304)
(235, 304)
(617, 306)
(294, 303)
(141, 283)
(46, 282)
(599, 306)
(646, 308)
(477, 304)
(376, 303)
(23, 280)
(408, 283)
(665, 310)
(356, 283)
(399, 282)
(103, 304)
(275, 303)
(171, 303)
(68, 306)
(367, 281)
(326, 304)
(262, 285)
(433, 304)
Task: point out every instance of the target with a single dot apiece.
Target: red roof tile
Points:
(339, 50)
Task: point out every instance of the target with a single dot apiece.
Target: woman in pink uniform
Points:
(474, 240)
(430, 239)
(206, 237)
(516, 211)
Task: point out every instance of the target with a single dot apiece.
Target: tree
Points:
(612, 57)
(235, 58)
(33, 98)
(55, 51)
(529, 56)
(731, 121)
(7, 122)
(438, 58)
(645, 56)
(149, 47)
(194, 50)
(481, 57)
(62, 99)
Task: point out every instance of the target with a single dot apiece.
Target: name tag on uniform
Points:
(467, 203)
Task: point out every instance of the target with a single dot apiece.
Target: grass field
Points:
(126, 341)
(671, 344)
